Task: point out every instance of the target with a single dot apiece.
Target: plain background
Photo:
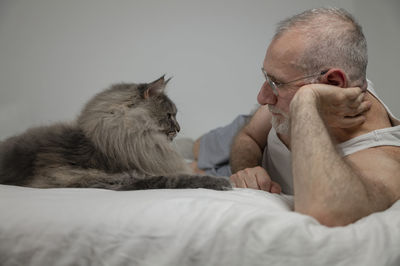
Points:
(55, 55)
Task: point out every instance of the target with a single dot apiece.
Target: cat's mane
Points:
(127, 135)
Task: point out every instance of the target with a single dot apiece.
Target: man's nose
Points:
(266, 95)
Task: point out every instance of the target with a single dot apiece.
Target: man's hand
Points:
(340, 107)
(256, 178)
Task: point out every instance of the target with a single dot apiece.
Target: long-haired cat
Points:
(121, 141)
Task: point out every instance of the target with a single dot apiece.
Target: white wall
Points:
(54, 55)
(381, 25)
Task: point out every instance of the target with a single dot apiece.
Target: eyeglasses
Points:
(276, 85)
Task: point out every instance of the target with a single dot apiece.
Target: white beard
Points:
(280, 124)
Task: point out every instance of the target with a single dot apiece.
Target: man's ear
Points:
(335, 77)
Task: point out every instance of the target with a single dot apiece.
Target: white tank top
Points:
(277, 157)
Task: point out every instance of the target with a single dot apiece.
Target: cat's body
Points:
(121, 141)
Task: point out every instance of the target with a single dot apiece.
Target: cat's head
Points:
(160, 106)
(130, 109)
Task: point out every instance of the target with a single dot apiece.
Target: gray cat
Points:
(120, 141)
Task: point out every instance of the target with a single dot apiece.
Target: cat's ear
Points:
(156, 87)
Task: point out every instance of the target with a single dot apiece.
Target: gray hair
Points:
(334, 39)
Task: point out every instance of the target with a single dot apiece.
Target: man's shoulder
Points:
(377, 154)
(392, 152)
(380, 166)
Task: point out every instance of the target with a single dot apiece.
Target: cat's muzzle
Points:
(171, 135)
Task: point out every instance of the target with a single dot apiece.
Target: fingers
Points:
(357, 101)
(255, 178)
(275, 188)
(251, 181)
(237, 180)
(357, 117)
(356, 105)
(352, 93)
(359, 109)
(263, 180)
(364, 106)
(342, 107)
(354, 121)
(246, 178)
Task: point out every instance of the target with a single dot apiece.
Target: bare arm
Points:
(247, 151)
(336, 190)
(248, 145)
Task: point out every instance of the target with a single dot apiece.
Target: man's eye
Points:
(274, 81)
(277, 83)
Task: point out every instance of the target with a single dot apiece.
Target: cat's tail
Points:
(178, 182)
(16, 156)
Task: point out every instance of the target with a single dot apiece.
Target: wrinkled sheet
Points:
(182, 227)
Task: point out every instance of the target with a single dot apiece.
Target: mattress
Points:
(182, 227)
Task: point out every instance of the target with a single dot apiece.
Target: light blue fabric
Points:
(215, 147)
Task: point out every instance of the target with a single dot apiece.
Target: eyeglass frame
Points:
(275, 87)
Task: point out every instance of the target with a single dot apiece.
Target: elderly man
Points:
(344, 158)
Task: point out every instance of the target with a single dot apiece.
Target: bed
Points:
(182, 227)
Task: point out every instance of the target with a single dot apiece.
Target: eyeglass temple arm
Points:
(313, 75)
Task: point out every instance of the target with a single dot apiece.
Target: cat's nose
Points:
(177, 127)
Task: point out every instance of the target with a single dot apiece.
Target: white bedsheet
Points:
(182, 227)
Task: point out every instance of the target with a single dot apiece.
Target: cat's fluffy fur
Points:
(121, 140)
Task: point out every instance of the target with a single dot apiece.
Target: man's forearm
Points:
(245, 153)
(325, 185)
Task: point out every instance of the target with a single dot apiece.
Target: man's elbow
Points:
(329, 217)
(333, 215)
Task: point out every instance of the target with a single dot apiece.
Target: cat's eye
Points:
(171, 115)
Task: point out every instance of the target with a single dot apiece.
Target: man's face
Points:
(280, 65)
